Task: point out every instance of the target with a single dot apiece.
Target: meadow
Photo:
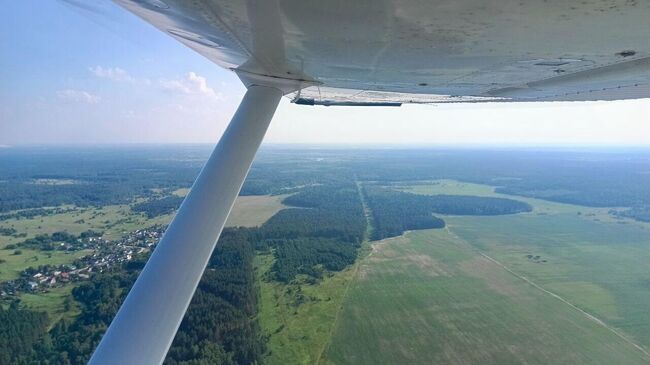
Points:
(298, 318)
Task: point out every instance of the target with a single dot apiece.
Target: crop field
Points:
(249, 210)
(254, 210)
(563, 284)
(429, 298)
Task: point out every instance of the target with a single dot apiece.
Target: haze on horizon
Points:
(74, 76)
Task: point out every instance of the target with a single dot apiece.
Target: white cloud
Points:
(78, 96)
(191, 84)
(112, 73)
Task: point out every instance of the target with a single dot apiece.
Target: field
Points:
(563, 284)
(299, 318)
(429, 298)
(253, 210)
(52, 302)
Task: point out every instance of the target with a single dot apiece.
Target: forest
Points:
(156, 207)
(58, 241)
(395, 212)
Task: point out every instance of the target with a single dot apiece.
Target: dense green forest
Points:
(325, 232)
(155, 207)
(20, 330)
(395, 212)
(220, 326)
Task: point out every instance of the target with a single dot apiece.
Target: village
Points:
(107, 254)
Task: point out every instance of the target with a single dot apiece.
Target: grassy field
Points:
(249, 210)
(254, 210)
(298, 334)
(563, 284)
(431, 298)
(52, 302)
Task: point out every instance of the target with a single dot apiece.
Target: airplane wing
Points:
(362, 52)
(420, 51)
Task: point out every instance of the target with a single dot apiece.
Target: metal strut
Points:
(144, 327)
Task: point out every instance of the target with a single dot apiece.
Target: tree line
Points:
(395, 212)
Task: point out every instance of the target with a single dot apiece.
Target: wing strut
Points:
(146, 324)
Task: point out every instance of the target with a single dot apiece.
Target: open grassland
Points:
(52, 302)
(254, 210)
(249, 210)
(299, 317)
(429, 297)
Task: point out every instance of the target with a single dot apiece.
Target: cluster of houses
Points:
(106, 255)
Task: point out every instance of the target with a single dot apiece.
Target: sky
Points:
(70, 75)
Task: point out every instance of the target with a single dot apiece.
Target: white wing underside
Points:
(422, 51)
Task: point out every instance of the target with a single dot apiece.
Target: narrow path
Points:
(366, 210)
(554, 295)
(355, 268)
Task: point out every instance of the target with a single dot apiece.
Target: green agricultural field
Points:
(249, 210)
(564, 284)
(254, 210)
(595, 261)
(600, 267)
(431, 298)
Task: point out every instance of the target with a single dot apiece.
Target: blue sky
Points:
(101, 75)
